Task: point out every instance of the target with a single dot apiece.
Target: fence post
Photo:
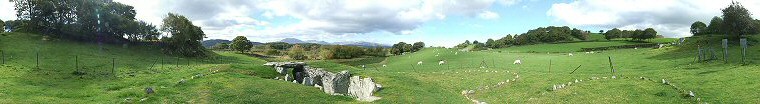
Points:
(38, 60)
(177, 62)
(612, 68)
(3, 52)
(76, 62)
(113, 66)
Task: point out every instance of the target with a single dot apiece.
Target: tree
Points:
(638, 34)
(221, 46)
(185, 37)
(417, 46)
(579, 34)
(398, 48)
(297, 52)
(649, 33)
(490, 43)
(737, 21)
(241, 43)
(601, 31)
(506, 41)
(2, 25)
(612, 34)
(698, 28)
(716, 26)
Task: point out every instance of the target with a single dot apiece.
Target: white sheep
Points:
(517, 62)
(441, 62)
(419, 63)
(385, 65)
(570, 54)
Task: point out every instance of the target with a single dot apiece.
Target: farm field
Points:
(229, 77)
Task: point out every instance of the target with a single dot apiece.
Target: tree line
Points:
(734, 22)
(104, 21)
(550, 34)
(638, 35)
(302, 51)
(402, 47)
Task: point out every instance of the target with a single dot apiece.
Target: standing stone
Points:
(725, 50)
(744, 48)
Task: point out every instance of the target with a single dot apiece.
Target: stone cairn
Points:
(469, 94)
(341, 83)
(685, 93)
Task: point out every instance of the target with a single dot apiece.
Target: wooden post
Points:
(579, 66)
(177, 62)
(550, 65)
(113, 66)
(611, 67)
(3, 52)
(76, 62)
(38, 60)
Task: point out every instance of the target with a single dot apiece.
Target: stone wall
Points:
(341, 83)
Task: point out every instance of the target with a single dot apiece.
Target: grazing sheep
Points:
(570, 54)
(385, 65)
(441, 62)
(517, 62)
(419, 63)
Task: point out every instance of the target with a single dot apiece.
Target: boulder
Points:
(336, 84)
(362, 89)
(308, 81)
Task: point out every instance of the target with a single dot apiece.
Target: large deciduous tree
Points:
(612, 34)
(242, 44)
(737, 21)
(649, 33)
(417, 46)
(698, 28)
(185, 37)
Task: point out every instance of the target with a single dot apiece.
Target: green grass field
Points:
(243, 79)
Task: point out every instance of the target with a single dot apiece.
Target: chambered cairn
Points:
(341, 83)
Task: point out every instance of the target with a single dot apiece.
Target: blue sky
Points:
(435, 22)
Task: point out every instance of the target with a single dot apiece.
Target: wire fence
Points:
(103, 66)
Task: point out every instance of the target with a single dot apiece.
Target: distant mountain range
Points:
(350, 43)
(212, 42)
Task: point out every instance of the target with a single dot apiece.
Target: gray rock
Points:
(288, 77)
(308, 81)
(336, 84)
(362, 89)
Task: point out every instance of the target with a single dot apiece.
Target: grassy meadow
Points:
(243, 79)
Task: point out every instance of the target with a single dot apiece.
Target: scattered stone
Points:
(143, 99)
(691, 94)
(181, 81)
(149, 90)
(665, 82)
(576, 80)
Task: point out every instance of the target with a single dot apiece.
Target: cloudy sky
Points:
(435, 22)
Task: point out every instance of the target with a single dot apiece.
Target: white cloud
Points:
(488, 15)
(671, 18)
(6, 10)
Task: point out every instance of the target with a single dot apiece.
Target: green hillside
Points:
(242, 79)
